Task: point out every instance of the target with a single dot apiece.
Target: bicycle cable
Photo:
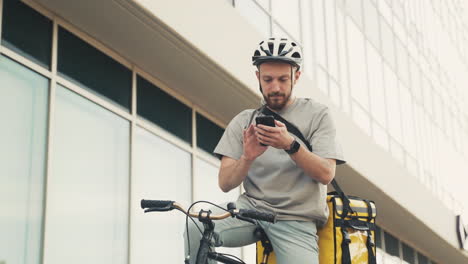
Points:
(199, 229)
(232, 256)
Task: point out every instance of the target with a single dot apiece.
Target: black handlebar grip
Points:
(156, 204)
(263, 216)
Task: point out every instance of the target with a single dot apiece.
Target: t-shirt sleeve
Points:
(324, 141)
(231, 143)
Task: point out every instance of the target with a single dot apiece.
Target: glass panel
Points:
(332, 49)
(361, 118)
(397, 151)
(87, 202)
(408, 254)
(162, 171)
(378, 237)
(422, 259)
(380, 135)
(205, 186)
(255, 16)
(376, 85)
(393, 103)
(208, 134)
(335, 92)
(402, 57)
(87, 66)
(27, 32)
(164, 110)
(391, 245)
(354, 10)
(388, 47)
(319, 32)
(23, 106)
(358, 73)
(406, 104)
(286, 13)
(371, 17)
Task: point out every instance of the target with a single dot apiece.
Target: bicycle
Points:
(206, 251)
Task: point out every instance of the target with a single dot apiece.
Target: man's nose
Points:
(275, 86)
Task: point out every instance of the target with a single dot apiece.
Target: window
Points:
(361, 118)
(88, 183)
(164, 110)
(388, 48)
(409, 140)
(380, 135)
(408, 254)
(27, 32)
(319, 32)
(371, 18)
(393, 103)
(206, 188)
(208, 134)
(402, 57)
(162, 171)
(422, 259)
(378, 237)
(376, 85)
(391, 245)
(84, 64)
(357, 66)
(23, 110)
(332, 51)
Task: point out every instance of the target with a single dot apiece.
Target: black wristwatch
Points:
(293, 148)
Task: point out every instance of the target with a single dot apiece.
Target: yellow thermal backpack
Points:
(346, 238)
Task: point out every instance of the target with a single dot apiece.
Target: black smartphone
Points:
(265, 120)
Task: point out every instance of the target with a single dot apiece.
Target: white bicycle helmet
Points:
(278, 49)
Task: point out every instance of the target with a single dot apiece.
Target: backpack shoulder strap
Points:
(291, 128)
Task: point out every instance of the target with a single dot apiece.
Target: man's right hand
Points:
(252, 147)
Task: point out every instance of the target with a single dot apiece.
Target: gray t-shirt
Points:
(274, 182)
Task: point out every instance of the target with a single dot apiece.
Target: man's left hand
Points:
(277, 137)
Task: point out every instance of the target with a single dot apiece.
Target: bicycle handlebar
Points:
(161, 205)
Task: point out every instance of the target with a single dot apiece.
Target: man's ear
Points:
(258, 75)
(297, 74)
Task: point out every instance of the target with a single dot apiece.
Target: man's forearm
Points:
(233, 173)
(316, 167)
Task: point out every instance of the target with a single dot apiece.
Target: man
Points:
(282, 175)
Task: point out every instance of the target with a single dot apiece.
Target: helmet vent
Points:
(294, 44)
(257, 53)
(281, 47)
(296, 55)
(270, 47)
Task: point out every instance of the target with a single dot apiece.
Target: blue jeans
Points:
(293, 241)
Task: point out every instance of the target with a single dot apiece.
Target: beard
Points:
(276, 101)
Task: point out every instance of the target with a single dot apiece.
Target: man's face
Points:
(275, 80)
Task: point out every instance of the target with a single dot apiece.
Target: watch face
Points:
(294, 147)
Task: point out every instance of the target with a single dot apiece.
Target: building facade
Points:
(105, 103)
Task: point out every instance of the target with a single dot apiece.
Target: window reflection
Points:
(87, 202)
(23, 105)
(162, 171)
